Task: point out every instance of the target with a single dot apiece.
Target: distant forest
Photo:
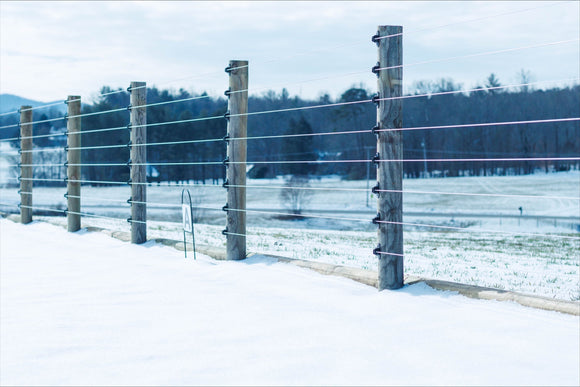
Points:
(561, 139)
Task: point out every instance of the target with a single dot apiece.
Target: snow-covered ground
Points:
(85, 309)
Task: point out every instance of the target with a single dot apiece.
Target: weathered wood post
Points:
(390, 149)
(73, 170)
(26, 164)
(138, 156)
(236, 154)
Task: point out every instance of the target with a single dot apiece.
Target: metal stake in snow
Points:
(187, 215)
(390, 147)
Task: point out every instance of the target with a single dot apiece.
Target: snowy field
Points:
(86, 309)
(496, 251)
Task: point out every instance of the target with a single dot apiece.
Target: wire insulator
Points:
(129, 107)
(376, 98)
(225, 208)
(376, 250)
(376, 69)
(376, 159)
(226, 162)
(228, 69)
(228, 92)
(129, 126)
(130, 201)
(226, 138)
(130, 181)
(129, 89)
(225, 231)
(227, 115)
(226, 184)
(375, 189)
(66, 195)
(129, 144)
(375, 38)
(129, 220)
(377, 218)
(375, 128)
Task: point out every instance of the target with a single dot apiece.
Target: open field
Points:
(494, 246)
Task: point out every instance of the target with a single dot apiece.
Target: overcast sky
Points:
(53, 49)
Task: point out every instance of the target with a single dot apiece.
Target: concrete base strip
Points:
(368, 277)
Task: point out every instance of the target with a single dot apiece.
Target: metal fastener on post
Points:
(390, 147)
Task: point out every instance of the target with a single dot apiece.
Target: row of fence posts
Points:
(389, 147)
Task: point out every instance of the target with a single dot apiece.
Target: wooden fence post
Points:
(73, 170)
(236, 171)
(138, 159)
(26, 164)
(390, 148)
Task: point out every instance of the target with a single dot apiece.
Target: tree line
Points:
(332, 133)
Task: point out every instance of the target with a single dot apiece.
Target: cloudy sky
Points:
(53, 49)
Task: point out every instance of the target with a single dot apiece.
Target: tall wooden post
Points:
(73, 156)
(236, 171)
(26, 164)
(390, 149)
(138, 160)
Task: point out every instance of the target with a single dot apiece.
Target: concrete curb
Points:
(367, 277)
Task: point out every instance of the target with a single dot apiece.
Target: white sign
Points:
(186, 215)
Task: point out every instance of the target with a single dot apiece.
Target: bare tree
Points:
(295, 195)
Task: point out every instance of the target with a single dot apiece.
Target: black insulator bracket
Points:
(129, 107)
(375, 38)
(226, 161)
(376, 69)
(225, 231)
(376, 98)
(375, 189)
(227, 115)
(66, 195)
(226, 138)
(376, 159)
(376, 250)
(226, 184)
(225, 208)
(228, 92)
(129, 220)
(228, 69)
(375, 128)
(377, 218)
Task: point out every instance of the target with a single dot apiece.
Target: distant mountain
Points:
(10, 102)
